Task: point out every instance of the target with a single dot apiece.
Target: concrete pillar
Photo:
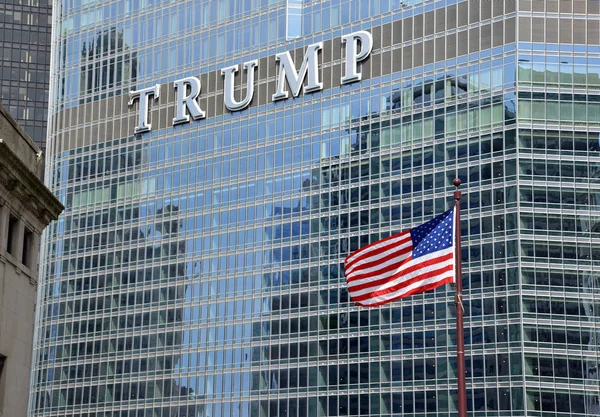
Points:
(4, 215)
(34, 253)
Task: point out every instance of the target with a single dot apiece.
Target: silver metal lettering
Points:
(228, 95)
(287, 71)
(183, 101)
(353, 57)
(144, 95)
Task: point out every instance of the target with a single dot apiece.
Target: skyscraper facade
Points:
(219, 159)
(25, 59)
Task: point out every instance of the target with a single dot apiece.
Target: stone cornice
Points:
(23, 185)
(15, 125)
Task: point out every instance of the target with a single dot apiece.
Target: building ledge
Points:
(23, 185)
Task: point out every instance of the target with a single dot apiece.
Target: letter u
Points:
(228, 92)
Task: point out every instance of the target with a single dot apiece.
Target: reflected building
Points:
(197, 269)
(150, 257)
(107, 64)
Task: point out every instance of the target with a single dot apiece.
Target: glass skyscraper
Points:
(197, 268)
(24, 58)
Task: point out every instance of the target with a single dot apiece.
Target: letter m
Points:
(287, 71)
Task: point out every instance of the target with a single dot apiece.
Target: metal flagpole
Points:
(460, 331)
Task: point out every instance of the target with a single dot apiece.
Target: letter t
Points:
(144, 95)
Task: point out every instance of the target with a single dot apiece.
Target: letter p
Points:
(353, 56)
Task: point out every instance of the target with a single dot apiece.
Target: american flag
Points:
(413, 261)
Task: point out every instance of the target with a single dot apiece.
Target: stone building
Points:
(26, 208)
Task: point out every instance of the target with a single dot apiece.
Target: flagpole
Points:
(460, 331)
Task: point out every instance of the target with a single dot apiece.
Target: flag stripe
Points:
(389, 263)
(388, 275)
(408, 270)
(429, 273)
(401, 278)
(375, 246)
(404, 264)
(416, 290)
(381, 255)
